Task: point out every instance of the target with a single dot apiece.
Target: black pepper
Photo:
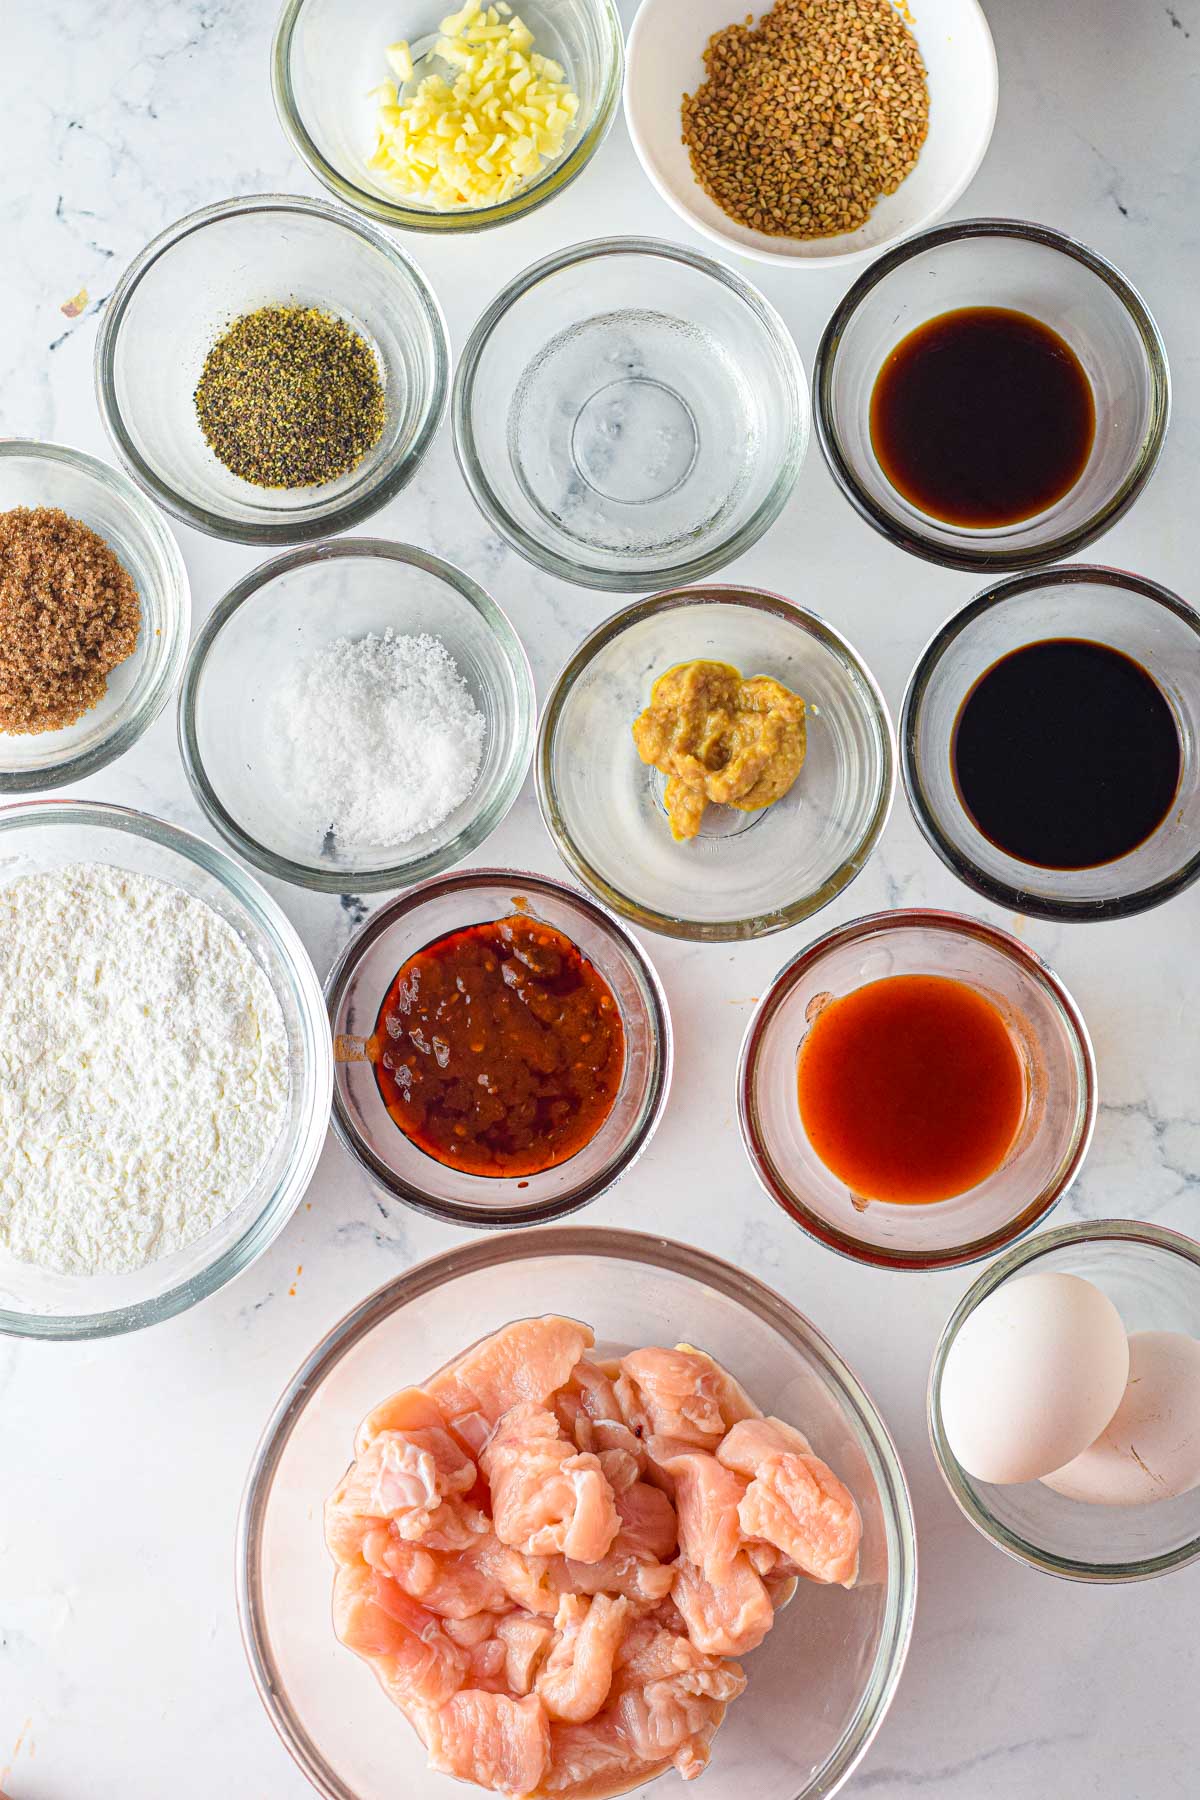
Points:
(290, 397)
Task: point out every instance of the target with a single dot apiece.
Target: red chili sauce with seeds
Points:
(498, 1049)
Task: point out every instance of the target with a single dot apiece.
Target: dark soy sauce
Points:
(1066, 754)
(982, 417)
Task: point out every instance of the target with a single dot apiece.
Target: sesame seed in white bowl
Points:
(665, 61)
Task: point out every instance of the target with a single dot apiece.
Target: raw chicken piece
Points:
(410, 1409)
(416, 1478)
(577, 1674)
(491, 1739)
(527, 1360)
(594, 1761)
(621, 1469)
(670, 1393)
(707, 1497)
(346, 1532)
(525, 1579)
(726, 1618)
(583, 1400)
(664, 1721)
(653, 1651)
(648, 1524)
(794, 1501)
(453, 1586)
(527, 1642)
(641, 1580)
(413, 1658)
(732, 1398)
(547, 1498)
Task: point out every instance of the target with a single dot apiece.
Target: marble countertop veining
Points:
(121, 1462)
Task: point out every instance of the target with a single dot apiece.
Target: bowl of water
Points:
(630, 414)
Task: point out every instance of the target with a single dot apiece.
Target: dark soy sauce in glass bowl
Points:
(1066, 754)
(982, 417)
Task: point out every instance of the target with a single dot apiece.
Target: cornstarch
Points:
(143, 1069)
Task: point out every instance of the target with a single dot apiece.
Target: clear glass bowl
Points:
(277, 617)
(328, 55)
(1060, 1071)
(819, 1686)
(628, 413)
(34, 474)
(47, 834)
(665, 60)
(746, 874)
(188, 285)
(1152, 1276)
(1029, 269)
(1107, 606)
(355, 990)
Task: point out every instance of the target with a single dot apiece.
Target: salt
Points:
(376, 739)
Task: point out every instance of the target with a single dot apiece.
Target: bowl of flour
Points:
(165, 1069)
(356, 716)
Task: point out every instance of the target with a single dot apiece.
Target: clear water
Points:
(634, 432)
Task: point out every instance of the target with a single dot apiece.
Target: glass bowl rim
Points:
(339, 515)
(668, 925)
(125, 729)
(661, 1036)
(991, 556)
(1135, 1231)
(819, 259)
(875, 925)
(392, 213)
(1003, 893)
(659, 1252)
(508, 785)
(690, 568)
(261, 1231)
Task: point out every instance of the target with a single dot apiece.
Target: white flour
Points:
(376, 739)
(143, 1069)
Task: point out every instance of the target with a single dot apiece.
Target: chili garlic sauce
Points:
(499, 1049)
(911, 1089)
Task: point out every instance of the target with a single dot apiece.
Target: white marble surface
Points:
(121, 1464)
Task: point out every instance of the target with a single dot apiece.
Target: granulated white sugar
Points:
(376, 739)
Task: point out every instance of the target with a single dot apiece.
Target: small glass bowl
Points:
(1152, 1276)
(1026, 268)
(276, 618)
(1108, 606)
(33, 474)
(355, 990)
(628, 413)
(1059, 1066)
(824, 1679)
(187, 286)
(746, 874)
(42, 835)
(328, 55)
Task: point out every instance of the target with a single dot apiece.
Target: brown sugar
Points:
(69, 612)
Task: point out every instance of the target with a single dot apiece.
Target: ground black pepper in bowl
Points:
(290, 397)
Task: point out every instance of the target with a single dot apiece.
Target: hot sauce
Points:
(498, 1049)
(911, 1089)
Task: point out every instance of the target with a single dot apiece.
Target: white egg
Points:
(1150, 1448)
(1033, 1377)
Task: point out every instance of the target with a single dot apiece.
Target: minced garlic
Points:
(475, 142)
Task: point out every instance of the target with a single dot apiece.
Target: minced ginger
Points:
(720, 738)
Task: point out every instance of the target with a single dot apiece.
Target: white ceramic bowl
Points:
(664, 61)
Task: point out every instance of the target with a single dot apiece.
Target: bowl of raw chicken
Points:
(568, 1511)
